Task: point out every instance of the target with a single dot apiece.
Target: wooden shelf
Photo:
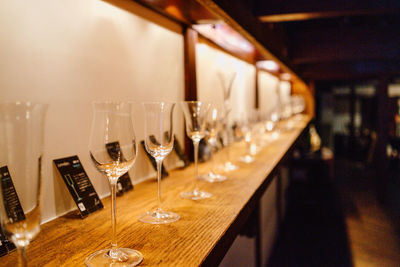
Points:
(204, 233)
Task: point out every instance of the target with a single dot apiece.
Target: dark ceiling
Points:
(326, 40)
(321, 41)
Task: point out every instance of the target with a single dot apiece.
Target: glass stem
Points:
(22, 256)
(113, 251)
(227, 144)
(159, 168)
(212, 144)
(248, 147)
(196, 157)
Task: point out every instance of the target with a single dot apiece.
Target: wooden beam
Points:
(240, 14)
(190, 37)
(190, 40)
(249, 57)
(269, 41)
(183, 11)
(278, 11)
(275, 18)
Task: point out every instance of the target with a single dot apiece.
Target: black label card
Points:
(6, 245)
(12, 205)
(221, 143)
(164, 172)
(179, 152)
(79, 185)
(124, 183)
(3, 246)
(204, 151)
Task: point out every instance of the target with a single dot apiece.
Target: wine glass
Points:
(270, 121)
(286, 115)
(112, 122)
(227, 89)
(275, 117)
(159, 142)
(228, 165)
(213, 127)
(246, 127)
(195, 118)
(298, 106)
(21, 156)
(258, 131)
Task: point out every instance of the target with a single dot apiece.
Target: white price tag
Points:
(81, 206)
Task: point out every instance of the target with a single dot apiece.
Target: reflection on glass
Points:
(21, 142)
(227, 88)
(112, 122)
(195, 119)
(246, 128)
(213, 127)
(159, 142)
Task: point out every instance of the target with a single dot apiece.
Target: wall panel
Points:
(211, 64)
(268, 86)
(70, 52)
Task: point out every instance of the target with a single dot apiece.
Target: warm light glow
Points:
(268, 65)
(174, 10)
(253, 149)
(225, 36)
(247, 137)
(269, 126)
(214, 114)
(285, 76)
(275, 116)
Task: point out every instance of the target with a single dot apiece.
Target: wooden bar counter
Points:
(202, 236)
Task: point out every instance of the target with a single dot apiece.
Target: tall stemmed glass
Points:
(213, 127)
(159, 142)
(247, 130)
(269, 121)
(21, 152)
(228, 166)
(195, 118)
(298, 106)
(112, 122)
(275, 116)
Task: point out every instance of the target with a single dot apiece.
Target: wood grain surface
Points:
(206, 229)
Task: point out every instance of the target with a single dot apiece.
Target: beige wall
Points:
(70, 52)
(211, 62)
(285, 91)
(268, 87)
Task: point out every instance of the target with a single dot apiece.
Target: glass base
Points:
(287, 125)
(125, 257)
(247, 159)
(275, 134)
(159, 217)
(228, 166)
(212, 177)
(195, 195)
